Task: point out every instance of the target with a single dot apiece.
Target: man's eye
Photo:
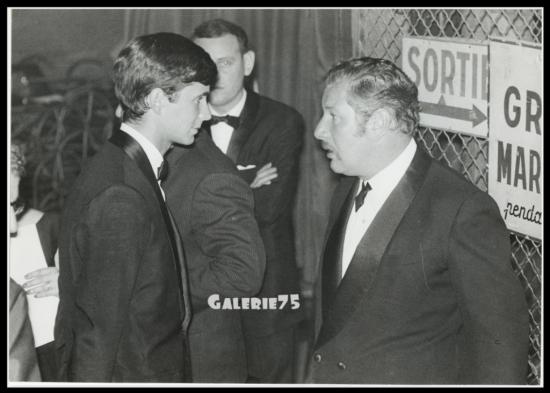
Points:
(224, 63)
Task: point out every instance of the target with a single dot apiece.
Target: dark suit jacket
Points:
(272, 132)
(121, 311)
(213, 209)
(48, 233)
(430, 296)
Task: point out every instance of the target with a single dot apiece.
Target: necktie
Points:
(162, 171)
(360, 198)
(232, 121)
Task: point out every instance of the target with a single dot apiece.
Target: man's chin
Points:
(336, 166)
(216, 98)
(187, 141)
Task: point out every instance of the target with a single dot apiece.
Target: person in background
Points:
(23, 362)
(33, 244)
(124, 300)
(417, 285)
(263, 138)
(214, 211)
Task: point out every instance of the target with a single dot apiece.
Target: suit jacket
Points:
(121, 315)
(430, 296)
(214, 211)
(48, 233)
(270, 131)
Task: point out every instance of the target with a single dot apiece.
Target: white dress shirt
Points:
(382, 185)
(222, 132)
(152, 153)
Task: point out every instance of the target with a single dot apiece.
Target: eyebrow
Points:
(205, 94)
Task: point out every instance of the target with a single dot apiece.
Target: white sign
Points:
(452, 80)
(515, 138)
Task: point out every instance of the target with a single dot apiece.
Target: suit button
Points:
(317, 357)
(341, 365)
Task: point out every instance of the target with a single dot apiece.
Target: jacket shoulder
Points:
(200, 159)
(278, 109)
(448, 183)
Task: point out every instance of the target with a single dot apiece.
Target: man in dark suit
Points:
(124, 307)
(214, 211)
(417, 284)
(263, 138)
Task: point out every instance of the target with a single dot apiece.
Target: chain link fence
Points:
(379, 33)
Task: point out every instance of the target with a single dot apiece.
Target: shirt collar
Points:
(152, 153)
(235, 111)
(388, 177)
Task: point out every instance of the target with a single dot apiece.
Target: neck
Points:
(149, 130)
(385, 155)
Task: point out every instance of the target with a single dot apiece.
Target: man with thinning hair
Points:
(417, 281)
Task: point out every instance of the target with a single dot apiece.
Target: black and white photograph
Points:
(275, 197)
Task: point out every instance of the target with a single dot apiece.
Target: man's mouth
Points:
(328, 149)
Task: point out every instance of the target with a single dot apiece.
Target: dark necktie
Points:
(232, 121)
(360, 198)
(162, 171)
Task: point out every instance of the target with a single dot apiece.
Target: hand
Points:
(13, 220)
(264, 176)
(42, 282)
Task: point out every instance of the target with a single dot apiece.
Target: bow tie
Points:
(360, 198)
(232, 121)
(162, 171)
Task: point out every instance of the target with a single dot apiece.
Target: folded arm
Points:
(274, 194)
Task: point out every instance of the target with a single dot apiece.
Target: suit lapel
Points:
(371, 249)
(241, 134)
(136, 153)
(133, 149)
(332, 268)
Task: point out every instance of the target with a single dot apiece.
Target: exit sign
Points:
(452, 79)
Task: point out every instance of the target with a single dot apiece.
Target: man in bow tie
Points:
(417, 284)
(263, 138)
(124, 304)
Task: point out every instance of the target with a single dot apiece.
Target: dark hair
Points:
(377, 83)
(218, 27)
(18, 159)
(165, 60)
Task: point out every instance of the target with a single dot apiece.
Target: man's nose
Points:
(320, 130)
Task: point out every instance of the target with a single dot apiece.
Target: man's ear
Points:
(249, 59)
(156, 100)
(381, 121)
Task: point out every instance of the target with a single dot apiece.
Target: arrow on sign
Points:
(441, 109)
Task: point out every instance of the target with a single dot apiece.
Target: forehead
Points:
(225, 45)
(194, 89)
(335, 95)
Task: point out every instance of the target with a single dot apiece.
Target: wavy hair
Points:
(378, 83)
(163, 60)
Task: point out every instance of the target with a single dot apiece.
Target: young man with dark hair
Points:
(124, 305)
